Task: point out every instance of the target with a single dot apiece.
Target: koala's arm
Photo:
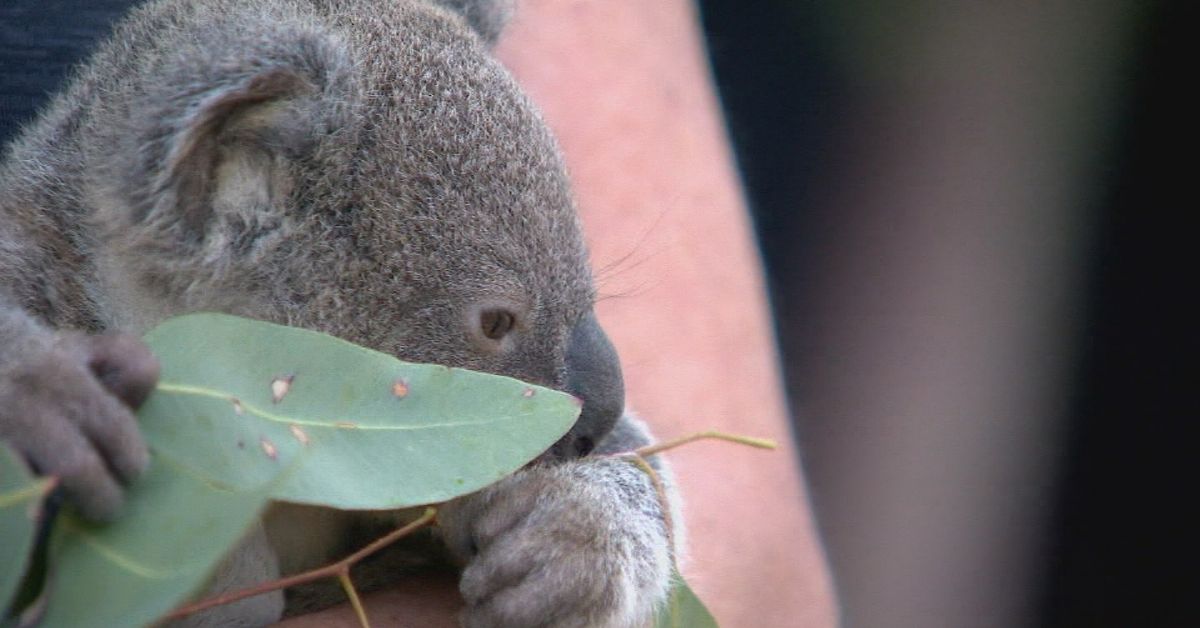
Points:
(582, 543)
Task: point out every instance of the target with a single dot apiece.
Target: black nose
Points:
(593, 375)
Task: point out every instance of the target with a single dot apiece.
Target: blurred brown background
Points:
(973, 223)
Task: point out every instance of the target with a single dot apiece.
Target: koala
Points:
(362, 168)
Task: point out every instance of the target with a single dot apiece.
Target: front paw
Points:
(67, 405)
(580, 544)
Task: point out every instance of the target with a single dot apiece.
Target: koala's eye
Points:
(496, 322)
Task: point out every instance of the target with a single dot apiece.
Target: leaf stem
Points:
(336, 569)
(665, 504)
(341, 568)
(650, 450)
(352, 593)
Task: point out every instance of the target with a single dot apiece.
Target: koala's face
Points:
(409, 199)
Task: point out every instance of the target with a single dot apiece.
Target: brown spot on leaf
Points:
(346, 425)
(300, 434)
(527, 393)
(400, 388)
(280, 387)
(237, 406)
(268, 448)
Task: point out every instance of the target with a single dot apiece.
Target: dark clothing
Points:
(40, 40)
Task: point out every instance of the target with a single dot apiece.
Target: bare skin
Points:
(625, 87)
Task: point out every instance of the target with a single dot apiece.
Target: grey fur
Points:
(358, 167)
(487, 17)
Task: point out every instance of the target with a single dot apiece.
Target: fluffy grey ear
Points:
(227, 154)
(487, 17)
(218, 139)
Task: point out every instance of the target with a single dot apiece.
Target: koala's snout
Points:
(594, 376)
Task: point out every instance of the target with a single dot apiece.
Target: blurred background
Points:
(973, 227)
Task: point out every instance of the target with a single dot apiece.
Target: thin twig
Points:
(650, 450)
(663, 502)
(341, 568)
(330, 570)
(638, 458)
(352, 593)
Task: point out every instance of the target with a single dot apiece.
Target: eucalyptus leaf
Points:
(683, 609)
(21, 497)
(248, 411)
(378, 433)
(180, 519)
(176, 528)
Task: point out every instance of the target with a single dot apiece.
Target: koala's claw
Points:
(69, 410)
(124, 365)
(581, 544)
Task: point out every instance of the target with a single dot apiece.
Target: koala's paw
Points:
(580, 544)
(67, 406)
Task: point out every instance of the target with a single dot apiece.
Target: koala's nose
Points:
(593, 375)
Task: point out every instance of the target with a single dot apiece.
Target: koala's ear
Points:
(486, 17)
(228, 152)
(221, 140)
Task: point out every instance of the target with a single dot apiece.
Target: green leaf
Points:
(248, 411)
(683, 609)
(180, 519)
(379, 433)
(176, 528)
(21, 497)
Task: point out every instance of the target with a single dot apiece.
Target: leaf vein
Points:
(186, 389)
(23, 494)
(118, 559)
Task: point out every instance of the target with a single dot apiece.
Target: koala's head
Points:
(374, 175)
